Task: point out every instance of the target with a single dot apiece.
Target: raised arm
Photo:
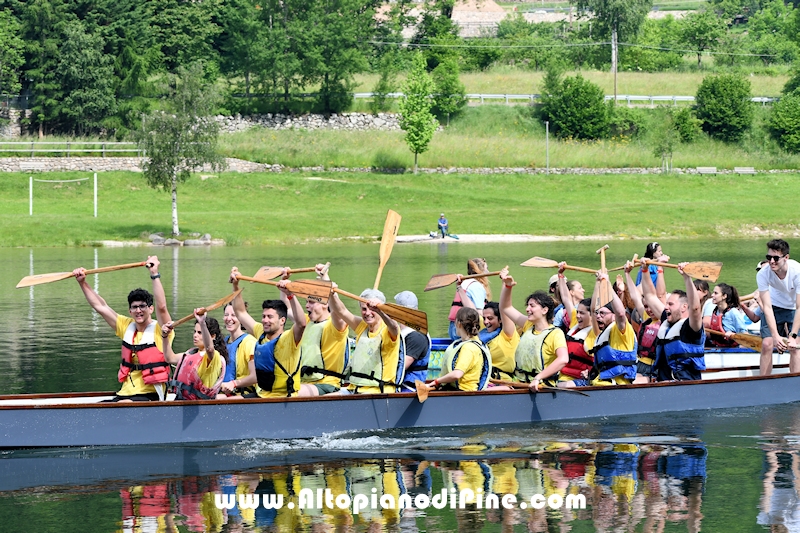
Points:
(94, 299)
(340, 312)
(563, 292)
(159, 298)
(506, 307)
(238, 305)
(634, 292)
(169, 356)
(695, 309)
(593, 308)
(208, 342)
(297, 311)
(391, 325)
(649, 294)
(616, 305)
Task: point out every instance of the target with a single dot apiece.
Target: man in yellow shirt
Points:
(277, 352)
(143, 367)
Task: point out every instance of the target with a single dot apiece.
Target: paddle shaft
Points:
(204, 310)
(413, 318)
(115, 268)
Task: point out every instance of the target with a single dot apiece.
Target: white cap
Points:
(553, 279)
(407, 299)
(442, 214)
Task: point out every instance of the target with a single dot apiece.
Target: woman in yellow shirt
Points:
(201, 369)
(467, 361)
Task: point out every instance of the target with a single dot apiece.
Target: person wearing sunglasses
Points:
(143, 371)
(779, 290)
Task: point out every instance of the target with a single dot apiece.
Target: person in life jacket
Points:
(374, 365)
(477, 290)
(415, 348)
(679, 352)
(467, 364)
(324, 347)
(542, 349)
(570, 293)
(501, 337)
(725, 316)
(580, 360)
(143, 371)
(612, 340)
(240, 368)
(647, 336)
(200, 370)
(277, 351)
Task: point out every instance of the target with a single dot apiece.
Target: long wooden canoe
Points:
(54, 420)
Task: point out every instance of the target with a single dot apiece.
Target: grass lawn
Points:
(290, 208)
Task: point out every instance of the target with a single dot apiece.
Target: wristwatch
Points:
(794, 335)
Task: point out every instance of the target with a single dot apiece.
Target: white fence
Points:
(69, 147)
(628, 98)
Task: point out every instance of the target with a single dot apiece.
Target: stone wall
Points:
(278, 121)
(100, 164)
(13, 129)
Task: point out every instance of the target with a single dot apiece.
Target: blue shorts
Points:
(580, 382)
(783, 319)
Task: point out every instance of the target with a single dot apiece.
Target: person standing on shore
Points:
(443, 226)
(779, 290)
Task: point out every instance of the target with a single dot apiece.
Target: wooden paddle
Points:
(707, 270)
(635, 257)
(39, 279)
(301, 287)
(266, 272)
(606, 293)
(413, 318)
(746, 340)
(203, 310)
(390, 228)
(541, 262)
(443, 280)
(518, 385)
(422, 390)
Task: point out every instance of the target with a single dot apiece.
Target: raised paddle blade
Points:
(422, 390)
(413, 318)
(203, 310)
(40, 279)
(390, 229)
(440, 280)
(267, 272)
(707, 270)
(540, 262)
(316, 288)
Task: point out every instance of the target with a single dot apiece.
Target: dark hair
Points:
(650, 251)
(571, 284)
(730, 293)
(216, 334)
(701, 285)
(494, 306)
(543, 299)
(278, 306)
(779, 245)
(586, 302)
(140, 295)
(470, 320)
(682, 294)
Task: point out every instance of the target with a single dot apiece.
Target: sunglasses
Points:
(774, 258)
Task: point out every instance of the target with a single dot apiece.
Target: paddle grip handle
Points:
(115, 268)
(295, 270)
(579, 269)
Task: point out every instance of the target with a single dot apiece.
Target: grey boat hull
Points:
(148, 423)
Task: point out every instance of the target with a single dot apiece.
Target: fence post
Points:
(104, 149)
(67, 148)
(30, 195)
(95, 195)
(547, 146)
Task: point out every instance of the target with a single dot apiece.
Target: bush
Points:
(687, 125)
(576, 108)
(724, 106)
(784, 123)
(794, 81)
(624, 121)
(449, 95)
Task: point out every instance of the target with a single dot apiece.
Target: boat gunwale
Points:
(353, 397)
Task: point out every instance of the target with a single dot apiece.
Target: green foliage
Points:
(575, 108)
(625, 121)
(774, 48)
(784, 123)
(415, 109)
(687, 124)
(449, 93)
(182, 138)
(724, 106)
(626, 16)
(386, 84)
(701, 30)
(655, 34)
(794, 81)
(11, 49)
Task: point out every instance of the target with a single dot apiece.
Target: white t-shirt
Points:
(782, 292)
(476, 292)
(708, 307)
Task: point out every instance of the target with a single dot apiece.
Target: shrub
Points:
(687, 124)
(624, 121)
(449, 95)
(784, 122)
(724, 106)
(576, 109)
(794, 81)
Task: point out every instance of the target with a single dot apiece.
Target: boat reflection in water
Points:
(625, 486)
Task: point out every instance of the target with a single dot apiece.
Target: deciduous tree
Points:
(415, 109)
(701, 31)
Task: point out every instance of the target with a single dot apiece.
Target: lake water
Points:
(711, 471)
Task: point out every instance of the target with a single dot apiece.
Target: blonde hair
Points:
(477, 265)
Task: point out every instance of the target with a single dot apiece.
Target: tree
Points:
(702, 30)
(11, 52)
(183, 138)
(575, 107)
(242, 41)
(449, 93)
(724, 106)
(415, 109)
(784, 122)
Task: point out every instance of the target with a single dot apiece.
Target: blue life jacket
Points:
(611, 362)
(486, 337)
(233, 347)
(265, 360)
(680, 355)
(418, 369)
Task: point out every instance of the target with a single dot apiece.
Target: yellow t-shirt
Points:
(619, 341)
(209, 371)
(287, 353)
(503, 349)
(390, 355)
(244, 354)
(470, 362)
(554, 340)
(333, 347)
(134, 383)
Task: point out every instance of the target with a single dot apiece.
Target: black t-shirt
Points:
(416, 345)
(687, 334)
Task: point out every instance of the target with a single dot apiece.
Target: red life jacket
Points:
(454, 307)
(154, 501)
(187, 382)
(716, 324)
(151, 360)
(647, 337)
(579, 360)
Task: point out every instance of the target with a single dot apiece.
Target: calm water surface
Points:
(717, 471)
